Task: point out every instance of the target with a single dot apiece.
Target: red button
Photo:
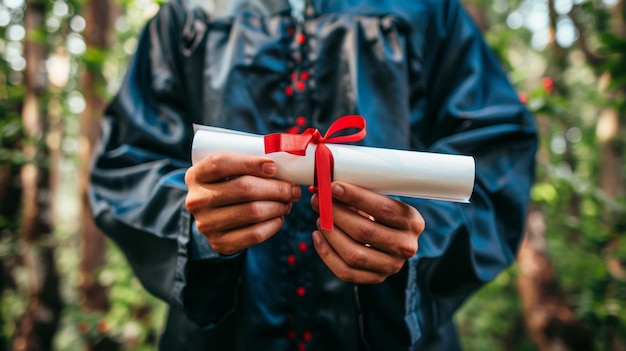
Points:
(304, 75)
(300, 291)
(300, 38)
(303, 247)
(301, 347)
(291, 259)
(307, 336)
(289, 90)
(294, 77)
(300, 86)
(301, 121)
(291, 30)
(291, 334)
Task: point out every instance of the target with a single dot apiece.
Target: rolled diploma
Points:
(386, 171)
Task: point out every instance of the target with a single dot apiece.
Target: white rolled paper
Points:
(386, 171)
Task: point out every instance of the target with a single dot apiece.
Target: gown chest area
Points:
(277, 74)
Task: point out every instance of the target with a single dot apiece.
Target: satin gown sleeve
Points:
(137, 189)
(470, 108)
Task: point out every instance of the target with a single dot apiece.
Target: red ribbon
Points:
(296, 144)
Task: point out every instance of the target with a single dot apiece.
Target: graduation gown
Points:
(424, 79)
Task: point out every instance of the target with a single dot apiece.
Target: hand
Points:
(373, 234)
(235, 201)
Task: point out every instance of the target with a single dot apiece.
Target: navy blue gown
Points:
(423, 77)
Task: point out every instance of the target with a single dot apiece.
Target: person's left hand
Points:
(373, 235)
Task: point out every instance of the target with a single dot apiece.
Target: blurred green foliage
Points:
(135, 318)
(567, 89)
(564, 82)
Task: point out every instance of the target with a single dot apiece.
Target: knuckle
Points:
(387, 208)
(366, 232)
(245, 185)
(256, 236)
(190, 203)
(408, 249)
(204, 227)
(284, 191)
(189, 175)
(218, 165)
(255, 211)
(417, 223)
(278, 223)
(358, 259)
(216, 158)
(213, 162)
(346, 275)
(196, 201)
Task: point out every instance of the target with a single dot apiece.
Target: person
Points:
(237, 253)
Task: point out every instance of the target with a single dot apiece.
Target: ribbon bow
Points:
(296, 144)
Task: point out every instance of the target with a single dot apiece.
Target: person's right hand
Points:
(236, 202)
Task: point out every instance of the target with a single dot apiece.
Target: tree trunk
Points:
(99, 21)
(610, 133)
(550, 321)
(478, 13)
(10, 193)
(99, 15)
(9, 196)
(39, 324)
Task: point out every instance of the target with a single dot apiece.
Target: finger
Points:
(250, 188)
(315, 205)
(243, 238)
(218, 166)
(230, 217)
(357, 255)
(393, 242)
(343, 271)
(239, 190)
(363, 230)
(384, 209)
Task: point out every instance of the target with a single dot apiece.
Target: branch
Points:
(593, 59)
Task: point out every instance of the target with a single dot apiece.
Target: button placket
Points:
(297, 84)
(303, 247)
(297, 93)
(291, 260)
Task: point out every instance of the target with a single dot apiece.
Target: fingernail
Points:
(269, 168)
(337, 190)
(317, 238)
(314, 201)
(296, 192)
